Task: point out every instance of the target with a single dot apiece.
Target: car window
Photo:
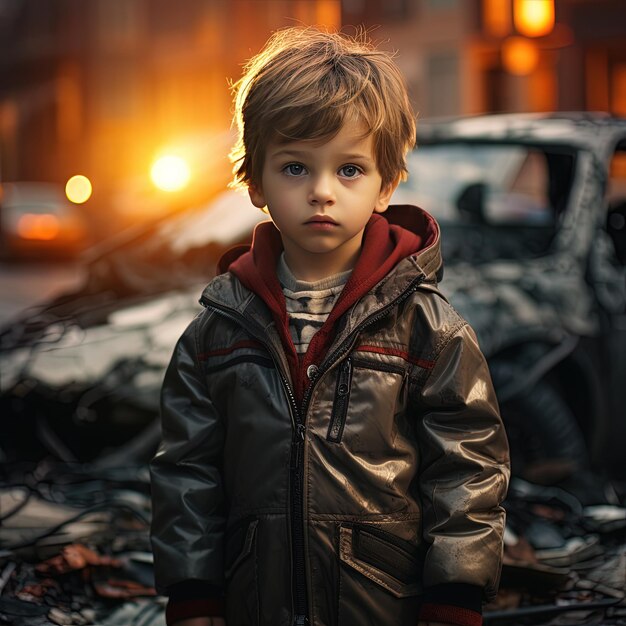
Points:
(516, 190)
(524, 199)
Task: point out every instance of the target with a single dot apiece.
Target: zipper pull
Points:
(345, 375)
(301, 430)
(297, 446)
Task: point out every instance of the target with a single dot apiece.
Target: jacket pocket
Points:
(239, 545)
(343, 389)
(393, 563)
(368, 364)
(240, 571)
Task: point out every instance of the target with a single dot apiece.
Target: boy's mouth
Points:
(322, 219)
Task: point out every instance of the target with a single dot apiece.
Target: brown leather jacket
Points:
(344, 506)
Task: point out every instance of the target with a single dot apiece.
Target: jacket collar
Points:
(406, 240)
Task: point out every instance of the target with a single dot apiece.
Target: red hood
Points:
(404, 231)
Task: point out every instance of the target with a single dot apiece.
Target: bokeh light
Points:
(170, 173)
(534, 18)
(42, 227)
(519, 56)
(78, 189)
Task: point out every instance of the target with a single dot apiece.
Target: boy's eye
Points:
(294, 169)
(350, 171)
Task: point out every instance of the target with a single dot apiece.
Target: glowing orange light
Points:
(42, 226)
(170, 173)
(534, 18)
(78, 189)
(519, 56)
(497, 17)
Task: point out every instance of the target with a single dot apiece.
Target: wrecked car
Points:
(80, 375)
(532, 209)
(533, 215)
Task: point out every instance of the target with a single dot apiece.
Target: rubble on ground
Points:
(74, 549)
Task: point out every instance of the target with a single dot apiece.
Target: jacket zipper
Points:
(296, 475)
(346, 345)
(297, 442)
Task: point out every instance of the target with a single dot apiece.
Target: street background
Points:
(104, 89)
(114, 133)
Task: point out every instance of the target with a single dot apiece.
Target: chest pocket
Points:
(344, 388)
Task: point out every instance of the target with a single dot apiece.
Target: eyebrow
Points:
(304, 153)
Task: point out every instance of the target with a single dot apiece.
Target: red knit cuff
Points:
(450, 615)
(185, 609)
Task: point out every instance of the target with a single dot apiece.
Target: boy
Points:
(332, 450)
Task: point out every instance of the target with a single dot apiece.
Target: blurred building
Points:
(476, 56)
(100, 88)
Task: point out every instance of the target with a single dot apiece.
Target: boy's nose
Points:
(321, 192)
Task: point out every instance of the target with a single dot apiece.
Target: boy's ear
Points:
(257, 197)
(384, 197)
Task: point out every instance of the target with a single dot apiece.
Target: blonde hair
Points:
(304, 84)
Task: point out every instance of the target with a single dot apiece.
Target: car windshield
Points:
(492, 200)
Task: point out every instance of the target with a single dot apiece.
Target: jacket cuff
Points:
(193, 598)
(453, 603)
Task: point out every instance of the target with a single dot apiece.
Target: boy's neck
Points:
(314, 267)
(290, 282)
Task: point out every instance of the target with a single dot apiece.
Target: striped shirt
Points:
(308, 304)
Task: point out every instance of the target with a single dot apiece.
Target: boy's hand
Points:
(201, 621)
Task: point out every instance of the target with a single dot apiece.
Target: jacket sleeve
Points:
(187, 494)
(464, 473)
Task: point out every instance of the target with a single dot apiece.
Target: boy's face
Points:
(320, 196)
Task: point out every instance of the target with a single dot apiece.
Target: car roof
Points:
(591, 130)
